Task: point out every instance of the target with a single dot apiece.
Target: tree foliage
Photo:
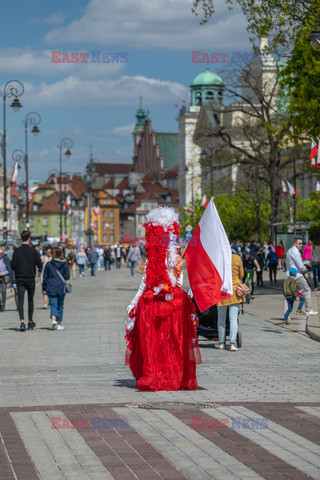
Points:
(280, 20)
(238, 215)
(300, 79)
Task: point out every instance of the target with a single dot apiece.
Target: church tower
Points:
(207, 86)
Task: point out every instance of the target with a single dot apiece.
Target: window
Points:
(111, 238)
(45, 221)
(35, 208)
(104, 213)
(111, 213)
(31, 222)
(95, 224)
(112, 225)
(104, 238)
(105, 225)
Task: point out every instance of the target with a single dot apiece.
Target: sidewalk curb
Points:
(313, 325)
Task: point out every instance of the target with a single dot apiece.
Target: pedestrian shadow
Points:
(15, 329)
(128, 382)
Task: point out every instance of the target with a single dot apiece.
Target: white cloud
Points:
(123, 131)
(153, 24)
(74, 91)
(39, 62)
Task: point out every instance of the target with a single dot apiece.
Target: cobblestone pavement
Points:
(255, 415)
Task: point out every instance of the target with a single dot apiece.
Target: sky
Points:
(95, 103)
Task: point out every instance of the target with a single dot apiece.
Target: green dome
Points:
(207, 78)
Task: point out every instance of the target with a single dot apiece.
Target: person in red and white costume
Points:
(162, 350)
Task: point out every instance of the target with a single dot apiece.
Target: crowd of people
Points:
(257, 258)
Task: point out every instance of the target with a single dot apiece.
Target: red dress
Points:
(163, 349)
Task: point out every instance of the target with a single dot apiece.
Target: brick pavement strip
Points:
(80, 371)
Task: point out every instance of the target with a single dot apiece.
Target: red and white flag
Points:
(14, 174)
(189, 210)
(284, 188)
(314, 153)
(96, 210)
(32, 191)
(67, 203)
(208, 257)
(131, 219)
(204, 202)
(292, 190)
(318, 156)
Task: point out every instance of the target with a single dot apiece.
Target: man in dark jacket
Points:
(93, 258)
(6, 273)
(24, 261)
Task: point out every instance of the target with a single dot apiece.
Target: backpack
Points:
(273, 260)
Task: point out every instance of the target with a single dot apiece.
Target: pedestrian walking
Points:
(315, 263)
(133, 257)
(100, 258)
(107, 258)
(6, 275)
(71, 258)
(55, 275)
(233, 303)
(118, 256)
(47, 257)
(10, 251)
(250, 263)
(272, 262)
(260, 260)
(81, 259)
(290, 291)
(280, 254)
(24, 261)
(294, 260)
(93, 259)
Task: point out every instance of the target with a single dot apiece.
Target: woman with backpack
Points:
(55, 274)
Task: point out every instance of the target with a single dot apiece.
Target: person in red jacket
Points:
(280, 254)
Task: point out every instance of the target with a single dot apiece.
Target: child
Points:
(290, 291)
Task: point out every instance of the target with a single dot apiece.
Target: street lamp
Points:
(65, 143)
(15, 89)
(89, 181)
(32, 118)
(314, 37)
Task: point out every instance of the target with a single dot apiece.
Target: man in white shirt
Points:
(294, 260)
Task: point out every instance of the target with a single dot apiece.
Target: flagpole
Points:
(294, 197)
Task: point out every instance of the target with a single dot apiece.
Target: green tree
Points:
(280, 20)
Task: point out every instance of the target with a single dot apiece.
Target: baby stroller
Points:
(208, 324)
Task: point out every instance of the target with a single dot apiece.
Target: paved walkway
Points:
(255, 415)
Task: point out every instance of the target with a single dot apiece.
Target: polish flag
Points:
(96, 210)
(284, 188)
(204, 202)
(292, 190)
(14, 174)
(131, 219)
(314, 153)
(208, 257)
(67, 203)
(32, 191)
(188, 210)
(318, 157)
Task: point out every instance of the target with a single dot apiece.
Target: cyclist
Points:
(250, 263)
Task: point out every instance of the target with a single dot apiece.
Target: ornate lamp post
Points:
(66, 144)
(314, 37)
(32, 118)
(89, 181)
(15, 89)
